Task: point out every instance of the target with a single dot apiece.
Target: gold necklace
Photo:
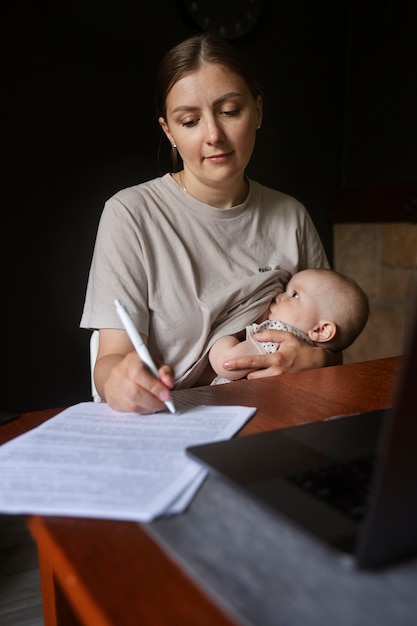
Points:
(181, 181)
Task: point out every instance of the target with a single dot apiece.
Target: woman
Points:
(196, 254)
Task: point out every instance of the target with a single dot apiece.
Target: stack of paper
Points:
(90, 461)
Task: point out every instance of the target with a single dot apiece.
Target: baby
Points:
(321, 306)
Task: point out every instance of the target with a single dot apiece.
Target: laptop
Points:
(350, 481)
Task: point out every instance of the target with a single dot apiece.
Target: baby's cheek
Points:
(274, 311)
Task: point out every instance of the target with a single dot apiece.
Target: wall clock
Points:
(231, 19)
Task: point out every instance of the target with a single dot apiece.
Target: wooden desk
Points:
(102, 573)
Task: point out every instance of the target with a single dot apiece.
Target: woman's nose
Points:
(214, 131)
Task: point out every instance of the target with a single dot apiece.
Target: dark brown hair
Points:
(189, 55)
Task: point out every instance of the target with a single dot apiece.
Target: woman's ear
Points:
(166, 130)
(323, 332)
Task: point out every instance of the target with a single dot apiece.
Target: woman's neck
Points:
(218, 197)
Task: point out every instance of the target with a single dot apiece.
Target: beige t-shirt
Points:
(189, 273)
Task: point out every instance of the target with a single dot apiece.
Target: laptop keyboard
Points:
(342, 485)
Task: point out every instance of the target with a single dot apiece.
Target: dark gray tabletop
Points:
(267, 572)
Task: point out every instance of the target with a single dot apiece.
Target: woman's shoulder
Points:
(275, 201)
(152, 187)
(138, 200)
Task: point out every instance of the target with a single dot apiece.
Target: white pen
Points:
(139, 346)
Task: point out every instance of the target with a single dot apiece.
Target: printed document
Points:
(91, 461)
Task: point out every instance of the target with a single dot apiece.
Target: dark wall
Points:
(80, 125)
(380, 136)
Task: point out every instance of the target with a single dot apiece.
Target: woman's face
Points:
(212, 118)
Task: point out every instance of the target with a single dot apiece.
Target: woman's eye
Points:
(294, 295)
(189, 123)
(230, 113)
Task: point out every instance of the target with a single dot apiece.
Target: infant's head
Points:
(328, 306)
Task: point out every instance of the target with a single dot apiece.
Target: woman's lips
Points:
(219, 158)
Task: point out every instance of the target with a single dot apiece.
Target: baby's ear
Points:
(323, 332)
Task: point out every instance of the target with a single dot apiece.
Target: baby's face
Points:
(296, 305)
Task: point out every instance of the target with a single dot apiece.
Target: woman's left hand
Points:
(293, 355)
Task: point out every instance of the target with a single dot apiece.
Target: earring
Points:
(174, 145)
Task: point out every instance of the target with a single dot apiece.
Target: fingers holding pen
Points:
(143, 352)
(151, 391)
(166, 376)
(132, 387)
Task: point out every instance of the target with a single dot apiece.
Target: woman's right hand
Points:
(124, 381)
